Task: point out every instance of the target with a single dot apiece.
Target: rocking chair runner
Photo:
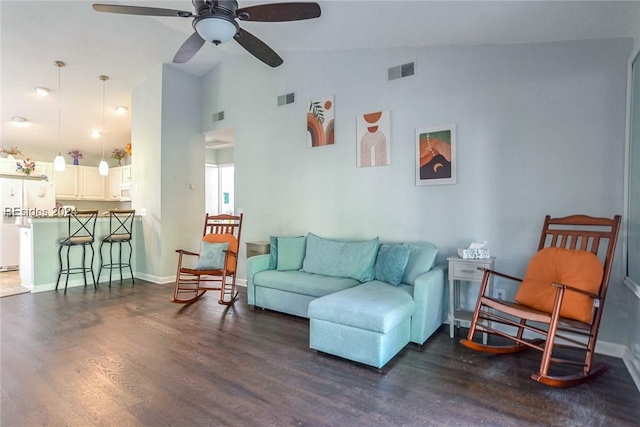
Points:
(560, 299)
(192, 283)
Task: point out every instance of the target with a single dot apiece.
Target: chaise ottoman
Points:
(369, 323)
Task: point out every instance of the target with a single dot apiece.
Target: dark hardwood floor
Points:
(127, 356)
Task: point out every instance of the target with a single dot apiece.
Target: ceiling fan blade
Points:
(279, 12)
(140, 10)
(190, 47)
(258, 48)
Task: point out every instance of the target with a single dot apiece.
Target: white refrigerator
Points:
(21, 198)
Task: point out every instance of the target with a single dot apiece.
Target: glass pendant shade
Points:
(103, 168)
(59, 163)
(216, 29)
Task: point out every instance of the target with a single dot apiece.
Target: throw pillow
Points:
(290, 253)
(579, 269)
(211, 256)
(340, 259)
(391, 262)
(421, 260)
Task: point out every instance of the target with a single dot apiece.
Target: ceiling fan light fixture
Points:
(216, 29)
(41, 90)
(18, 119)
(121, 109)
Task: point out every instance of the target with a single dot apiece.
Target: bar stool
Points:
(120, 231)
(80, 232)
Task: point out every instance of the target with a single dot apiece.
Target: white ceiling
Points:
(126, 48)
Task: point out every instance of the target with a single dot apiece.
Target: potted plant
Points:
(77, 155)
(10, 153)
(27, 166)
(118, 154)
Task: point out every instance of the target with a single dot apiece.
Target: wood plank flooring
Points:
(126, 356)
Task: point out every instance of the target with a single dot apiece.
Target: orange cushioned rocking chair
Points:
(559, 302)
(216, 264)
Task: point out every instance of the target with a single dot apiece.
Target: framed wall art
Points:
(374, 139)
(320, 125)
(436, 155)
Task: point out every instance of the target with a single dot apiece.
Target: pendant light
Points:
(103, 168)
(59, 163)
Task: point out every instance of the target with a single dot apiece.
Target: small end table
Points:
(464, 270)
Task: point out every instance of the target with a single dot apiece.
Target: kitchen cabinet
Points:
(119, 184)
(79, 183)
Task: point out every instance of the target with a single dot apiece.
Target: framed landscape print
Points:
(436, 155)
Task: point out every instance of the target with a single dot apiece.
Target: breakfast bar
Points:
(39, 262)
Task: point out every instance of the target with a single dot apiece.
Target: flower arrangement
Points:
(118, 154)
(26, 166)
(13, 151)
(77, 155)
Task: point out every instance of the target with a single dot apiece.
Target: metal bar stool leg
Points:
(66, 282)
(110, 261)
(131, 269)
(60, 273)
(101, 260)
(95, 283)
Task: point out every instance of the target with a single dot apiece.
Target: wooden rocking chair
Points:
(559, 302)
(221, 239)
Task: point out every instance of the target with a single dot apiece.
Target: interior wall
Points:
(146, 135)
(168, 171)
(540, 130)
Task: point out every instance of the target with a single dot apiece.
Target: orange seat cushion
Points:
(232, 261)
(579, 269)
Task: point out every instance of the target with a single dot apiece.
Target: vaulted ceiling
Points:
(34, 34)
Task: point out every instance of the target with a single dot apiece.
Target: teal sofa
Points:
(365, 300)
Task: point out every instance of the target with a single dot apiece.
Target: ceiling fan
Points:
(215, 21)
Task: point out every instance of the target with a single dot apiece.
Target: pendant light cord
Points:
(104, 97)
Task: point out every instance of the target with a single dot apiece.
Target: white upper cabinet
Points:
(79, 183)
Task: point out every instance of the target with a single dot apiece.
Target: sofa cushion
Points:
(421, 259)
(340, 259)
(391, 262)
(290, 253)
(374, 306)
(579, 269)
(273, 252)
(315, 285)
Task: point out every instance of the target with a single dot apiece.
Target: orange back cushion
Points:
(580, 269)
(233, 246)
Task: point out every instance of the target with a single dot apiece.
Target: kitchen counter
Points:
(39, 248)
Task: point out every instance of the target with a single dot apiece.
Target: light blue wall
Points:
(169, 169)
(540, 131)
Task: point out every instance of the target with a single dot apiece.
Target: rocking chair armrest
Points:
(183, 252)
(497, 273)
(580, 291)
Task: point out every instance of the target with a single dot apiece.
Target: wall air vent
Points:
(404, 70)
(289, 98)
(217, 116)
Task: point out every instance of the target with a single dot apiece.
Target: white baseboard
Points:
(154, 279)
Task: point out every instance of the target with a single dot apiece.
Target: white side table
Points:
(464, 270)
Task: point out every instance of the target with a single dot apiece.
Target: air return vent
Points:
(217, 116)
(404, 70)
(289, 98)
